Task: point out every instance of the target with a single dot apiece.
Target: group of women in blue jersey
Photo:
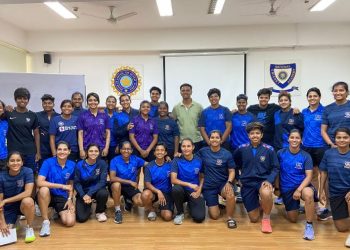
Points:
(115, 147)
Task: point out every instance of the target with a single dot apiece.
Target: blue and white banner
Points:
(283, 76)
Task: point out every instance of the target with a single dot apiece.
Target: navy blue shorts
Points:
(11, 212)
(211, 195)
(339, 207)
(290, 204)
(29, 162)
(129, 191)
(169, 202)
(250, 196)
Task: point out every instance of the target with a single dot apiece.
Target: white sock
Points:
(46, 221)
(117, 208)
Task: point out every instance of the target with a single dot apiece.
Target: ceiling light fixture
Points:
(60, 9)
(216, 6)
(165, 7)
(322, 5)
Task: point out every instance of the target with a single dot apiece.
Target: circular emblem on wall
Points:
(126, 80)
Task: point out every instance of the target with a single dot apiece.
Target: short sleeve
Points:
(230, 162)
(36, 122)
(228, 115)
(132, 131)
(148, 177)
(201, 121)
(108, 125)
(44, 170)
(52, 128)
(29, 176)
(140, 162)
(323, 164)
(155, 127)
(80, 122)
(325, 120)
(113, 164)
(308, 162)
(174, 166)
(176, 131)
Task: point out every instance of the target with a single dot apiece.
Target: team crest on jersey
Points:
(318, 117)
(298, 165)
(97, 172)
(167, 127)
(244, 124)
(151, 126)
(221, 116)
(347, 115)
(27, 119)
(101, 121)
(20, 183)
(196, 170)
(133, 169)
(67, 176)
(218, 162)
(60, 123)
(347, 165)
(262, 158)
(291, 121)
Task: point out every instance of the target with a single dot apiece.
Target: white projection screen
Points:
(59, 86)
(203, 72)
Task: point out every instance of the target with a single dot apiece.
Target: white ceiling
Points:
(32, 15)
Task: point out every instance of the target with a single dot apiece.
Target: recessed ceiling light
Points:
(60, 9)
(165, 7)
(216, 6)
(322, 5)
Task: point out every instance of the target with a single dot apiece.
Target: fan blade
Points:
(86, 14)
(125, 16)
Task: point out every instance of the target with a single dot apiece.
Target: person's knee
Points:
(265, 194)
(254, 216)
(198, 218)
(308, 195)
(177, 189)
(292, 219)
(341, 227)
(27, 203)
(137, 200)
(80, 218)
(146, 195)
(116, 187)
(70, 222)
(214, 214)
(167, 216)
(254, 219)
(43, 192)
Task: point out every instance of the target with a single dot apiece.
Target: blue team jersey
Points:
(126, 170)
(159, 176)
(187, 171)
(292, 168)
(336, 116)
(113, 140)
(54, 173)
(337, 166)
(153, 113)
(65, 130)
(119, 123)
(88, 179)
(256, 167)
(239, 134)
(284, 123)
(312, 137)
(3, 133)
(216, 166)
(214, 119)
(167, 130)
(13, 185)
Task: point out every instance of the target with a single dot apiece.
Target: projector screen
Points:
(225, 72)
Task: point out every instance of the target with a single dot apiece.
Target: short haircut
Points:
(294, 130)
(21, 93)
(77, 93)
(161, 144)
(255, 125)
(164, 103)
(47, 97)
(156, 89)
(342, 129)
(344, 84)
(122, 95)
(63, 143)
(94, 95)
(122, 144)
(242, 97)
(214, 91)
(264, 91)
(185, 85)
(66, 101)
(314, 89)
(215, 131)
(112, 96)
(286, 94)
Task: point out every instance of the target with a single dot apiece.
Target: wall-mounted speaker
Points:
(47, 58)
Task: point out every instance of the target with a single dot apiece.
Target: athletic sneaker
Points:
(118, 217)
(37, 210)
(22, 217)
(266, 226)
(279, 201)
(309, 233)
(347, 242)
(179, 219)
(301, 210)
(231, 223)
(152, 216)
(128, 205)
(239, 198)
(45, 229)
(101, 217)
(30, 236)
(324, 214)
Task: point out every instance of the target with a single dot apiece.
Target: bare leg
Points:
(44, 199)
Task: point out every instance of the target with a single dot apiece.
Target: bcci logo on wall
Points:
(282, 77)
(126, 80)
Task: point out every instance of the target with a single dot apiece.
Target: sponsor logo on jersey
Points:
(20, 183)
(27, 119)
(218, 162)
(97, 171)
(196, 170)
(299, 165)
(221, 116)
(347, 164)
(291, 121)
(347, 115)
(67, 176)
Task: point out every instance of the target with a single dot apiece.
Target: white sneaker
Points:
(37, 210)
(347, 242)
(101, 217)
(152, 216)
(22, 217)
(45, 229)
(179, 219)
(30, 236)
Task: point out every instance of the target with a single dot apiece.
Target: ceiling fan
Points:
(112, 18)
(273, 10)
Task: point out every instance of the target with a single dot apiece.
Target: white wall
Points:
(320, 67)
(12, 59)
(12, 35)
(98, 69)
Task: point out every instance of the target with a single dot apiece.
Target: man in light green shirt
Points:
(187, 114)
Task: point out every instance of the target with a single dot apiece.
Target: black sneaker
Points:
(324, 215)
(128, 205)
(118, 217)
